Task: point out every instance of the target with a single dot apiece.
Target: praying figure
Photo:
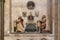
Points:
(43, 25)
(20, 26)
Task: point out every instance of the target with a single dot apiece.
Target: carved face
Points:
(30, 5)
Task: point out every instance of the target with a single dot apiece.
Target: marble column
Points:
(58, 19)
(1, 19)
(53, 15)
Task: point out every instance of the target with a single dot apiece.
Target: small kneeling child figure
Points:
(43, 23)
(20, 26)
